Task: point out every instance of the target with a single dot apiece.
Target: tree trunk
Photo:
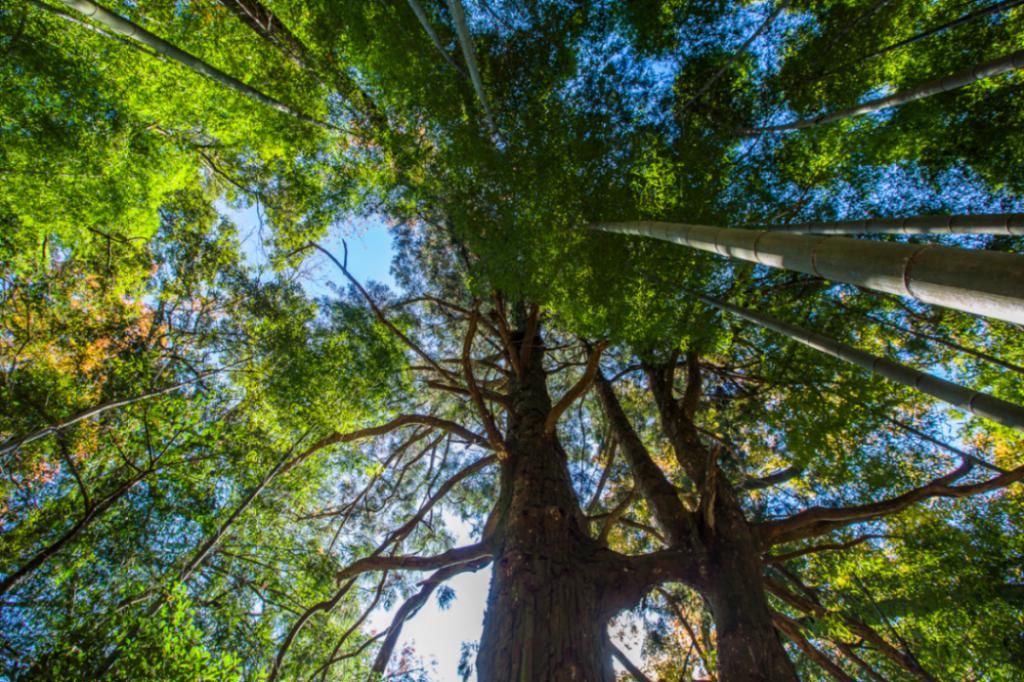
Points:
(985, 283)
(968, 400)
(732, 582)
(960, 79)
(749, 648)
(548, 607)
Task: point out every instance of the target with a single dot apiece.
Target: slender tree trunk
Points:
(269, 27)
(960, 79)
(547, 613)
(14, 443)
(988, 283)
(424, 20)
(995, 223)
(122, 26)
(970, 16)
(469, 54)
(95, 511)
(973, 402)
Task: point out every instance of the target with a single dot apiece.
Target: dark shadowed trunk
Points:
(749, 648)
(548, 607)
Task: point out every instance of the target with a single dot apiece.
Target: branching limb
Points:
(791, 629)
(396, 423)
(379, 314)
(415, 603)
(690, 632)
(821, 520)
(862, 630)
(814, 549)
(493, 434)
(577, 391)
(774, 478)
(621, 657)
(12, 444)
(333, 658)
(459, 555)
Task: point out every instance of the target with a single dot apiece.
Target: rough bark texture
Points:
(748, 645)
(749, 648)
(548, 607)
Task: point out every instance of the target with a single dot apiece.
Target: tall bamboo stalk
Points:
(469, 54)
(983, 223)
(971, 401)
(988, 283)
(935, 86)
(122, 26)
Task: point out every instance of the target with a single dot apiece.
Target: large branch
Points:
(821, 520)
(577, 390)
(658, 491)
(415, 603)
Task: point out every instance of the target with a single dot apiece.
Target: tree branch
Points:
(578, 389)
(820, 520)
(415, 603)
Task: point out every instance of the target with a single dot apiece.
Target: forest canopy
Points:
(706, 315)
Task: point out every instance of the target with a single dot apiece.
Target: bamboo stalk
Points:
(935, 86)
(1011, 224)
(970, 401)
(988, 283)
(122, 26)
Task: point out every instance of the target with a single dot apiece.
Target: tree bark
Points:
(550, 598)
(749, 649)
(985, 283)
(985, 223)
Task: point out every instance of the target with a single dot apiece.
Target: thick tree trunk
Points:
(748, 643)
(548, 607)
(732, 581)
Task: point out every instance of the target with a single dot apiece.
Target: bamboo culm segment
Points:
(974, 402)
(988, 283)
(122, 26)
(1006, 224)
(960, 79)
